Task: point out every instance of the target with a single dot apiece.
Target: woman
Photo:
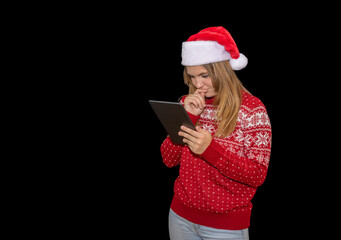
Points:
(226, 159)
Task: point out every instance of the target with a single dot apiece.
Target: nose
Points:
(199, 83)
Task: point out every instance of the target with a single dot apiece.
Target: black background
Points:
(88, 160)
(122, 185)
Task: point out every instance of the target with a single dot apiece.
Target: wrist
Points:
(194, 118)
(212, 153)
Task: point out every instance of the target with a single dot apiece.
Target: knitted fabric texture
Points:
(215, 188)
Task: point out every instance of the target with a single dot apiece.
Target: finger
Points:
(194, 101)
(188, 138)
(200, 101)
(199, 129)
(189, 144)
(195, 104)
(201, 92)
(201, 97)
(190, 131)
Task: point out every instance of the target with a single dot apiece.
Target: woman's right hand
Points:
(195, 103)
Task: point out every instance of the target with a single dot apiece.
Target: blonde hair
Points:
(229, 95)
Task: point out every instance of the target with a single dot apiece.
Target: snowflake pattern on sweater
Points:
(225, 177)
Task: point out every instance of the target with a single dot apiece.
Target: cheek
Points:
(212, 89)
(194, 82)
(209, 83)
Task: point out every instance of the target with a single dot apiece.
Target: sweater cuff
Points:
(213, 153)
(193, 118)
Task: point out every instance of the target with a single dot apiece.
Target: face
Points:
(201, 80)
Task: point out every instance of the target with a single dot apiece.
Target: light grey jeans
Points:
(181, 229)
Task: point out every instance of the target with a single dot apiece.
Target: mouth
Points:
(209, 94)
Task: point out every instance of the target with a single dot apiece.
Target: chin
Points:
(210, 95)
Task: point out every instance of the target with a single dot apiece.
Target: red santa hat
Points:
(213, 44)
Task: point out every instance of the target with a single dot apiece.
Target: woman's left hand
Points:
(197, 141)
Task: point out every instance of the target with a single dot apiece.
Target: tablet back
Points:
(172, 115)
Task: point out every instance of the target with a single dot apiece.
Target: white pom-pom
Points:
(239, 63)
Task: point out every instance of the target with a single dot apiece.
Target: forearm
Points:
(242, 169)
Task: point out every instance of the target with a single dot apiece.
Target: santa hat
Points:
(213, 44)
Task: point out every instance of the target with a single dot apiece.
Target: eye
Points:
(205, 76)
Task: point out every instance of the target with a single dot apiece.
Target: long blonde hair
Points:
(229, 95)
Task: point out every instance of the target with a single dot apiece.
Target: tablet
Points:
(172, 115)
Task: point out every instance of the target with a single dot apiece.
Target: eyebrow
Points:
(200, 74)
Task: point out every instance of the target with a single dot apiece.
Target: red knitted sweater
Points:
(215, 188)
